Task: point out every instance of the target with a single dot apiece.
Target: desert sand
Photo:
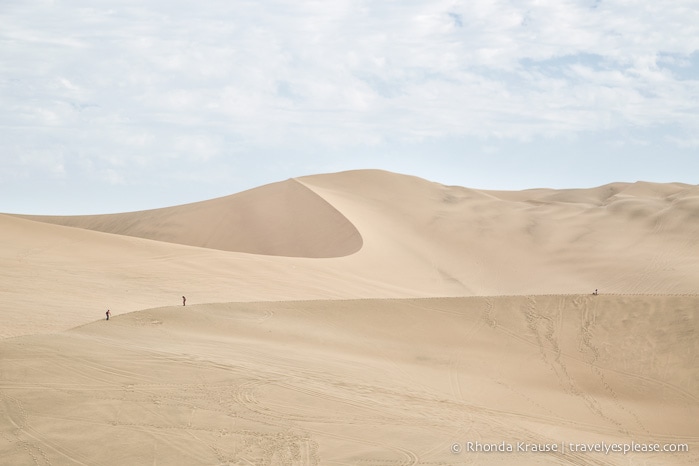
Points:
(356, 318)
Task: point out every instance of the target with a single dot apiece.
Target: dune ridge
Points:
(391, 236)
(626, 238)
(279, 219)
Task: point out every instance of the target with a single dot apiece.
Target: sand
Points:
(356, 318)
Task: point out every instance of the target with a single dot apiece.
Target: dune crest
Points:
(279, 219)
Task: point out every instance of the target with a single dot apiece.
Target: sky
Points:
(114, 106)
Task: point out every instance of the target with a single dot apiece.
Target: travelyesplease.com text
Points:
(592, 447)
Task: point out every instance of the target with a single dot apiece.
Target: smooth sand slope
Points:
(391, 382)
(480, 327)
(281, 219)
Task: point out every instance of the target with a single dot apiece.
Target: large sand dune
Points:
(415, 239)
(282, 219)
(393, 382)
(364, 318)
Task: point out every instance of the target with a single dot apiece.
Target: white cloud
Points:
(144, 82)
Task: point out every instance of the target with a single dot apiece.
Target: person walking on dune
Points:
(108, 313)
(184, 300)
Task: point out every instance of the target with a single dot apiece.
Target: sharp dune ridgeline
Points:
(362, 317)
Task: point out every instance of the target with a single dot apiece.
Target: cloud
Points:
(149, 82)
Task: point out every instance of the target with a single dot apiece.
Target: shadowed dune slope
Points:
(279, 219)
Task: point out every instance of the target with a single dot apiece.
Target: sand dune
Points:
(280, 219)
(361, 317)
(359, 382)
(622, 238)
(411, 237)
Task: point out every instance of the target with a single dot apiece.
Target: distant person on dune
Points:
(108, 313)
(184, 300)
(595, 293)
